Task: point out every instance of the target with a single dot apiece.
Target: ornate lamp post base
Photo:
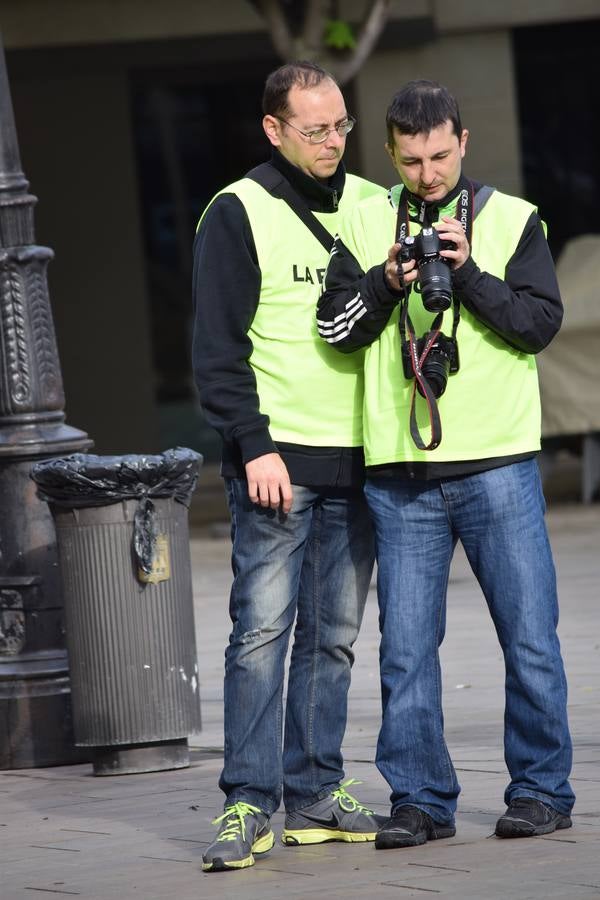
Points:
(35, 712)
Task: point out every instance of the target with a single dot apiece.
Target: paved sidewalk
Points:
(64, 832)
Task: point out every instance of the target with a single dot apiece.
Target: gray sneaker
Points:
(339, 817)
(244, 831)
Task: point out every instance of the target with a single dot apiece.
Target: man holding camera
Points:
(461, 469)
(289, 410)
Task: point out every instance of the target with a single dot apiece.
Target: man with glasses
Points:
(289, 411)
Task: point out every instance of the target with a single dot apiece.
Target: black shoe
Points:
(527, 817)
(408, 827)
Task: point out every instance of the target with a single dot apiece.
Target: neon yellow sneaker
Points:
(339, 817)
(244, 831)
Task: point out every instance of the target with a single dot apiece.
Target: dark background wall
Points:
(559, 101)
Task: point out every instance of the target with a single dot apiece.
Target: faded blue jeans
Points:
(498, 516)
(312, 568)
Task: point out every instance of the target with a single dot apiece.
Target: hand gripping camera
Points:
(435, 278)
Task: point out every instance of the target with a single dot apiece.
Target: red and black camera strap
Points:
(465, 213)
(420, 381)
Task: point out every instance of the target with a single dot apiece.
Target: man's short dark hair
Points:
(421, 106)
(302, 73)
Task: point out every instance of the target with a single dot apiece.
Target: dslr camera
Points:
(440, 362)
(435, 277)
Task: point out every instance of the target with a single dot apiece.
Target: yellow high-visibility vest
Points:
(312, 394)
(491, 406)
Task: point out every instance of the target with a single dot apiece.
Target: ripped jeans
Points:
(312, 567)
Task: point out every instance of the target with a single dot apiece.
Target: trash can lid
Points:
(83, 479)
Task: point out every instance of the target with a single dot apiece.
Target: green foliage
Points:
(339, 35)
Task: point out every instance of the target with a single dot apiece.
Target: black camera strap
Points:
(274, 182)
(468, 204)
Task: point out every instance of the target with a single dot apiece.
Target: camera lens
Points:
(436, 369)
(436, 285)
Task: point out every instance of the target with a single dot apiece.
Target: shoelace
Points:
(347, 802)
(235, 824)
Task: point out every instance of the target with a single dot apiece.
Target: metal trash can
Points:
(123, 541)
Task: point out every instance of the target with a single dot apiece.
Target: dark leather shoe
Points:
(409, 826)
(528, 817)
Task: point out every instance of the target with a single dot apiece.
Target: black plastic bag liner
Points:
(84, 480)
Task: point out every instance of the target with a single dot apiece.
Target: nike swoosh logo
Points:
(331, 822)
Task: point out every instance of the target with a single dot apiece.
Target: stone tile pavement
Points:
(64, 832)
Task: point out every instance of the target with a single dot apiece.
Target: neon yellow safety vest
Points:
(491, 406)
(311, 393)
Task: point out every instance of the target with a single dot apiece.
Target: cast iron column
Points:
(35, 712)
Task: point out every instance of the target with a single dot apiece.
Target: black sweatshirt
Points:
(226, 292)
(524, 308)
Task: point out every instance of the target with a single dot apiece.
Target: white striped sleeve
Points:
(338, 328)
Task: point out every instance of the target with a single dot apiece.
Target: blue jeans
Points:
(498, 516)
(312, 567)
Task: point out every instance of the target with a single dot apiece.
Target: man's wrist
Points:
(462, 275)
(380, 289)
(257, 443)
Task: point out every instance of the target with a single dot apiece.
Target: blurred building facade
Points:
(131, 114)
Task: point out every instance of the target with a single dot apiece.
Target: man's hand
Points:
(450, 229)
(392, 267)
(269, 482)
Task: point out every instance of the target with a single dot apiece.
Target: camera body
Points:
(441, 361)
(435, 277)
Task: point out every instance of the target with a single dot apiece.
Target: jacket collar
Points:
(424, 210)
(319, 197)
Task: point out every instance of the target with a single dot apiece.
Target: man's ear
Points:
(390, 153)
(463, 142)
(272, 130)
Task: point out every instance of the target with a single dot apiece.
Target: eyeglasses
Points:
(320, 135)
